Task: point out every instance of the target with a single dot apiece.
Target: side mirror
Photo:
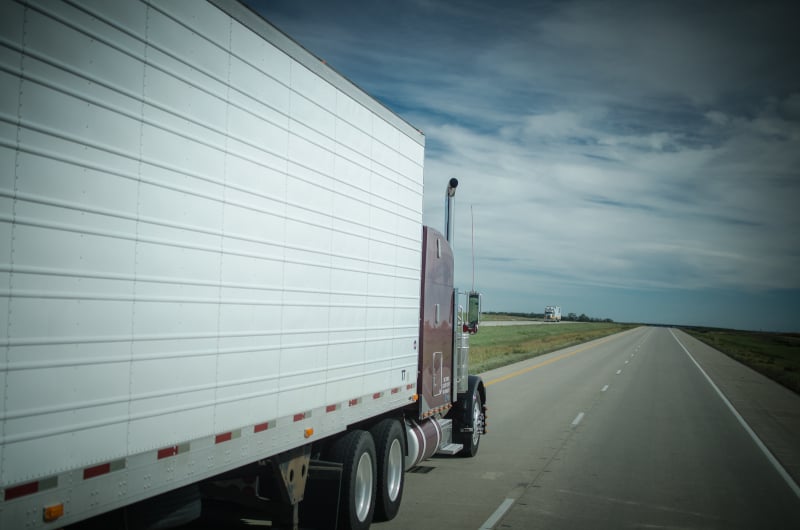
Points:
(473, 312)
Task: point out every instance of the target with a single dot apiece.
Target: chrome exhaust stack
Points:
(448, 209)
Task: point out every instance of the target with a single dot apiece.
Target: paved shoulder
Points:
(771, 410)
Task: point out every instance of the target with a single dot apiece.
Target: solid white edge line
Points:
(498, 513)
(774, 461)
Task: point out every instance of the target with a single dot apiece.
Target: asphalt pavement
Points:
(630, 431)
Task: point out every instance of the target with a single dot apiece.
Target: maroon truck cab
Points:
(436, 325)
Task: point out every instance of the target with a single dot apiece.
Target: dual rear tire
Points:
(390, 445)
(373, 474)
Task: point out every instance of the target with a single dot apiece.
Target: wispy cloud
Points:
(601, 145)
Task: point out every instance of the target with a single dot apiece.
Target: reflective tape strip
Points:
(172, 450)
(302, 416)
(167, 452)
(21, 490)
(96, 471)
(102, 469)
(227, 436)
(29, 488)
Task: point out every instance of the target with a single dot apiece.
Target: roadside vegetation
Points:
(775, 355)
(568, 317)
(496, 346)
(487, 317)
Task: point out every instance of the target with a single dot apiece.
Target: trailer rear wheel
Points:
(390, 448)
(356, 452)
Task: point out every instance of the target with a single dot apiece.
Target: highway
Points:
(646, 429)
(623, 432)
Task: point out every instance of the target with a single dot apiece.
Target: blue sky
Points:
(631, 160)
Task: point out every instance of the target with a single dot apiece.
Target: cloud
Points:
(600, 145)
(551, 205)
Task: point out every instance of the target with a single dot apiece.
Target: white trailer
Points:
(211, 254)
(552, 313)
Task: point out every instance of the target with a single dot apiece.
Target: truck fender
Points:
(475, 387)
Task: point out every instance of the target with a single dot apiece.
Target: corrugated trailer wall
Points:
(199, 233)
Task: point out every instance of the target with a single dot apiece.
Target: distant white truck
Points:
(552, 314)
(216, 282)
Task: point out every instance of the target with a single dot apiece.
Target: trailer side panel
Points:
(210, 250)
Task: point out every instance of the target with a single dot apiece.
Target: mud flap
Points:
(320, 507)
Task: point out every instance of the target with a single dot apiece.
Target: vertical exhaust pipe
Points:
(448, 209)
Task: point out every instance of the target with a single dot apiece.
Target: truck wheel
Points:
(168, 510)
(390, 447)
(472, 440)
(356, 452)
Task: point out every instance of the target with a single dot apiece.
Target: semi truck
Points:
(216, 280)
(552, 314)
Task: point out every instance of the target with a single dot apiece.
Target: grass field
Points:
(497, 346)
(496, 316)
(776, 355)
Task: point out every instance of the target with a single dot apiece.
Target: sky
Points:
(623, 159)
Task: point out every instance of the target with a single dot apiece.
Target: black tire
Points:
(168, 510)
(390, 447)
(472, 440)
(355, 450)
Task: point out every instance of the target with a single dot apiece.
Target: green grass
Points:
(499, 316)
(496, 346)
(775, 355)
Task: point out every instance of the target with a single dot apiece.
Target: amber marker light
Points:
(51, 513)
(308, 433)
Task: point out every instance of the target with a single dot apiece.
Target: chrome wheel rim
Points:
(476, 423)
(363, 489)
(394, 470)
